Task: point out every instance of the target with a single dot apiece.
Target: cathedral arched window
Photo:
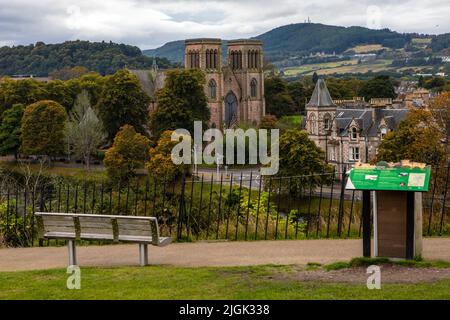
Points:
(215, 59)
(254, 88)
(212, 89)
(208, 59)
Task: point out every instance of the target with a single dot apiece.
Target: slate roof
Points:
(321, 96)
(368, 119)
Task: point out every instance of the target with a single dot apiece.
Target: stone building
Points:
(351, 131)
(234, 84)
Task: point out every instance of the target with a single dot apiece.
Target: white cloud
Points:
(149, 23)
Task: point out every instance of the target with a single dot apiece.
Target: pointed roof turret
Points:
(321, 96)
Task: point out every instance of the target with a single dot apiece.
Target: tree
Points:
(160, 163)
(128, 153)
(43, 128)
(68, 73)
(378, 87)
(123, 102)
(24, 91)
(299, 156)
(268, 122)
(181, 102)
(84, 130)
(435, 83)
(10, 130)
(421, 82)
(278, 100)
(417, 138)
(315, 77)
(298, 94)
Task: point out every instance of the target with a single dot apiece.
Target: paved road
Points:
(205, 254)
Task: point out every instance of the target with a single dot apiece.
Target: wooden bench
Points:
(73, 226)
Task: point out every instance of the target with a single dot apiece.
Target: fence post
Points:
(181, 209)
(341, 201)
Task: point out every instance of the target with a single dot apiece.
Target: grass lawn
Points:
(164, 282)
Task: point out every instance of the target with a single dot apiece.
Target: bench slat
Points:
(59, 235)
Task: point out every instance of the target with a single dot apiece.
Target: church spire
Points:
(321, 96)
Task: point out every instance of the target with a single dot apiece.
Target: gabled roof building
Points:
(349, 131)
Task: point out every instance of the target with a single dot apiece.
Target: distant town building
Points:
(349, 131)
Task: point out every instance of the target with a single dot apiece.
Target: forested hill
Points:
(304, 38)
(102, 57)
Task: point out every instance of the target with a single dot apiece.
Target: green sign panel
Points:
(385, 178)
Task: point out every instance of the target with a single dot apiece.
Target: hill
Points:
(302, 39)
(102, 57)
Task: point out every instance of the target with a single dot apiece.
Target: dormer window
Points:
(354, 133)
(383, 131)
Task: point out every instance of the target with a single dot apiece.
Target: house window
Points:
(254, 88)
(354, 154)
(312, 124)
(212, 89)
(383, 132)
(354, 133)
(327, 122)
(332, 154)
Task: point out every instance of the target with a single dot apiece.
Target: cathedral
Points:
(234, 82)
(234, 87)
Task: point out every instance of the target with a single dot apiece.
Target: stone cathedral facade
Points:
(235, 84)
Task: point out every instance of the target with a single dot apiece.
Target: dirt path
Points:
(205, 254)
(389, 274)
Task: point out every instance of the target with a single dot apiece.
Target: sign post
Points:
(397, 206)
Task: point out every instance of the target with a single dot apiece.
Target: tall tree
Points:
(43, 128)
(378, 87)
(417, 138)
(299, 156)
(181, 102)
(278, 100)
(84, 130)
(10, 130)
(123, 102)
(128, 153)
(160, 164)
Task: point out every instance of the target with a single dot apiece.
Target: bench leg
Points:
(72, 253)
(143, 254)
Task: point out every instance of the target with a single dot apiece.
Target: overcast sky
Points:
(151, 23)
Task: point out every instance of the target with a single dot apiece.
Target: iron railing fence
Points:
(210, 207)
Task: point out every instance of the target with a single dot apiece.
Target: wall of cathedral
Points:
(241, 74)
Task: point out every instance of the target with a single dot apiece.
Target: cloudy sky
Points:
(151, 23)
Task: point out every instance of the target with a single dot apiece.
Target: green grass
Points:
(164, 282)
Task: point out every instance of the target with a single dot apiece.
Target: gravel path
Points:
(205, 254)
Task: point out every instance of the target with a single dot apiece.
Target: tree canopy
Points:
(128, 153)
(10, 130)
(122, 102)
(42, 59)
(378, 87)
(43, 128)
(417, 138)
(181, 102)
